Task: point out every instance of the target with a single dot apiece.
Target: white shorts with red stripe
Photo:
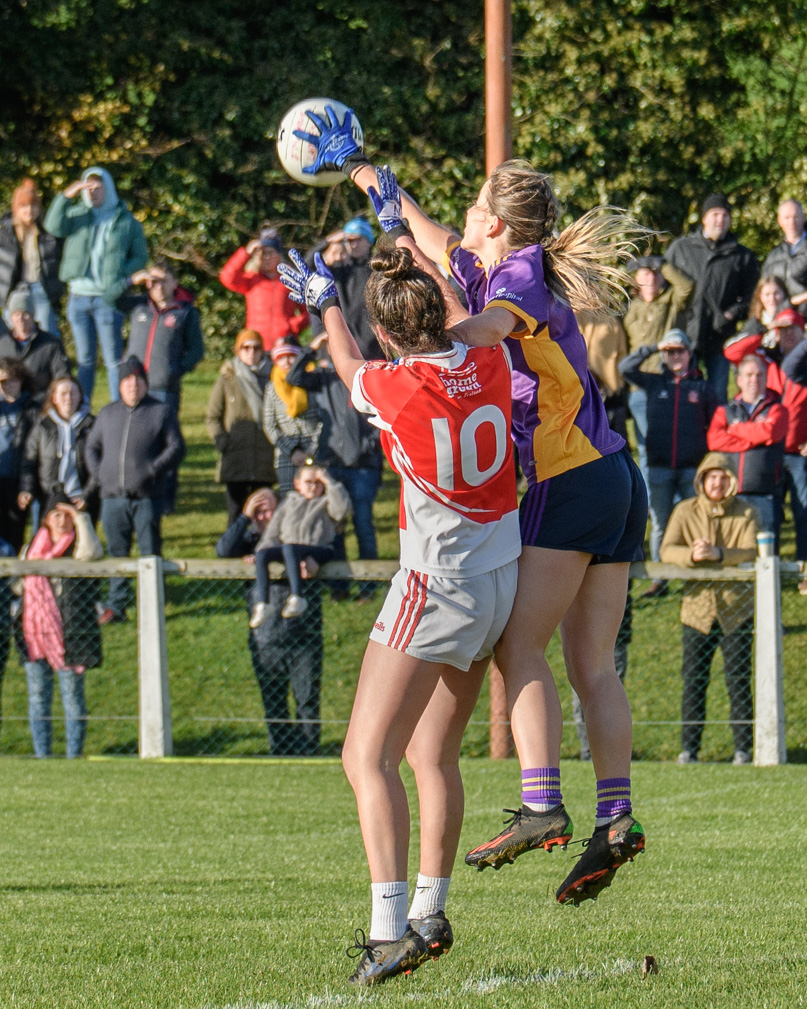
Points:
(451, 620)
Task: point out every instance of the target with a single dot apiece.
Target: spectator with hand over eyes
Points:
(252, 271)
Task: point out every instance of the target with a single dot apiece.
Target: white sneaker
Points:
(741, 757)
(260, 614)
(686, 757)
(295, 607)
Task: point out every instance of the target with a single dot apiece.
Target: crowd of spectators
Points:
(700, 309)
(277, 404)
(278, 417)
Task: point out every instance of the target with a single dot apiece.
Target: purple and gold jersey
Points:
(559, 419)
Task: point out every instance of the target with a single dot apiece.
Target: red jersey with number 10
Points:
(446, 424)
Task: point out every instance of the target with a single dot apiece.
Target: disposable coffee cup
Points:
(766, 542)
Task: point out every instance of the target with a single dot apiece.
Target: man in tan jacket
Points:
(715, 528)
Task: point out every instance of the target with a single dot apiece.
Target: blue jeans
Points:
(637, 404)
(40, 698)
(769, 507)
(666, 487)
(121, 518)
(717, 368)
(362, 486)
(92, 320)
(291, 554)
(796, 484)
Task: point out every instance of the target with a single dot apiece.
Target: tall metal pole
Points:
(498, 148)
(498, 83)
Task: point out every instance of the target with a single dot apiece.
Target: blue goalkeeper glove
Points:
(336, 148)
(387, 205)
(315, 290)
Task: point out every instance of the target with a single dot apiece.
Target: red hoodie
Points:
(270, 311)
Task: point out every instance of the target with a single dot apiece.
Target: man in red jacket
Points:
(752, 430)
(252, 271)
(784, 351)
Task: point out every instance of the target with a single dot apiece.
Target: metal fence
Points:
(286, 688)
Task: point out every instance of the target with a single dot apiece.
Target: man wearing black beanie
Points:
(134, 442)
(725, 274)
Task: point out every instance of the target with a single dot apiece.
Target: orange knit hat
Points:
(24, 194)
(247, 336)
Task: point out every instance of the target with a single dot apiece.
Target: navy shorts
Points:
(599, 508)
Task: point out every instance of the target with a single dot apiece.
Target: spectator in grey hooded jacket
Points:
(104, 246)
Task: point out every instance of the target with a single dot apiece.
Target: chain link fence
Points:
(286, 688)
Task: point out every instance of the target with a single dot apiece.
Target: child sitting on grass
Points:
(304, 525)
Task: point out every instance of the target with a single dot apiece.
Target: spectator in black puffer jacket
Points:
(680, 405)
(351, 275)
(17, 416)
(788, 260)
(133, 444)
(55, 450)
(30, 255)
(725, 274)
(284, 652)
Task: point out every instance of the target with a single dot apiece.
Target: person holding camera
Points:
(252, 271)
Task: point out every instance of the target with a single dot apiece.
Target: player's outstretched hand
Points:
(336, 148)
(387, 204)
(315, 290)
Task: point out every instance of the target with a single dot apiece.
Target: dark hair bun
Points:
(397, 264)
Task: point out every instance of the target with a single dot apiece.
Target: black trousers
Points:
(288, 652)
(698, 652)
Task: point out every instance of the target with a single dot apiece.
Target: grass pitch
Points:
(205, 886)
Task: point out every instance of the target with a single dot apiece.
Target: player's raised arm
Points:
(317, 291)
(486, 329)
(386, 201)
(337, 150)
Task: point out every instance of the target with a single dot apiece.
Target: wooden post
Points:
(501, 738)
(498, 148)
(498, 83)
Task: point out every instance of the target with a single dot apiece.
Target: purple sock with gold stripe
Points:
(613, 799)
(540, 788)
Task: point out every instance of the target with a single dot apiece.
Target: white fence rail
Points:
(154, 721)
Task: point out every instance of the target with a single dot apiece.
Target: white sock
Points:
(430, 895)
(389, 910)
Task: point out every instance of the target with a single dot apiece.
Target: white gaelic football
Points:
(296, 154)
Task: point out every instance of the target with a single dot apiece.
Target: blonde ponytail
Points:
(582, 263)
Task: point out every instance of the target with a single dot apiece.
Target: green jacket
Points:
(126, 252)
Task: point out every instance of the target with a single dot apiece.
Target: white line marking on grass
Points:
(483, 985)
(493, 982)
(310, 1002)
